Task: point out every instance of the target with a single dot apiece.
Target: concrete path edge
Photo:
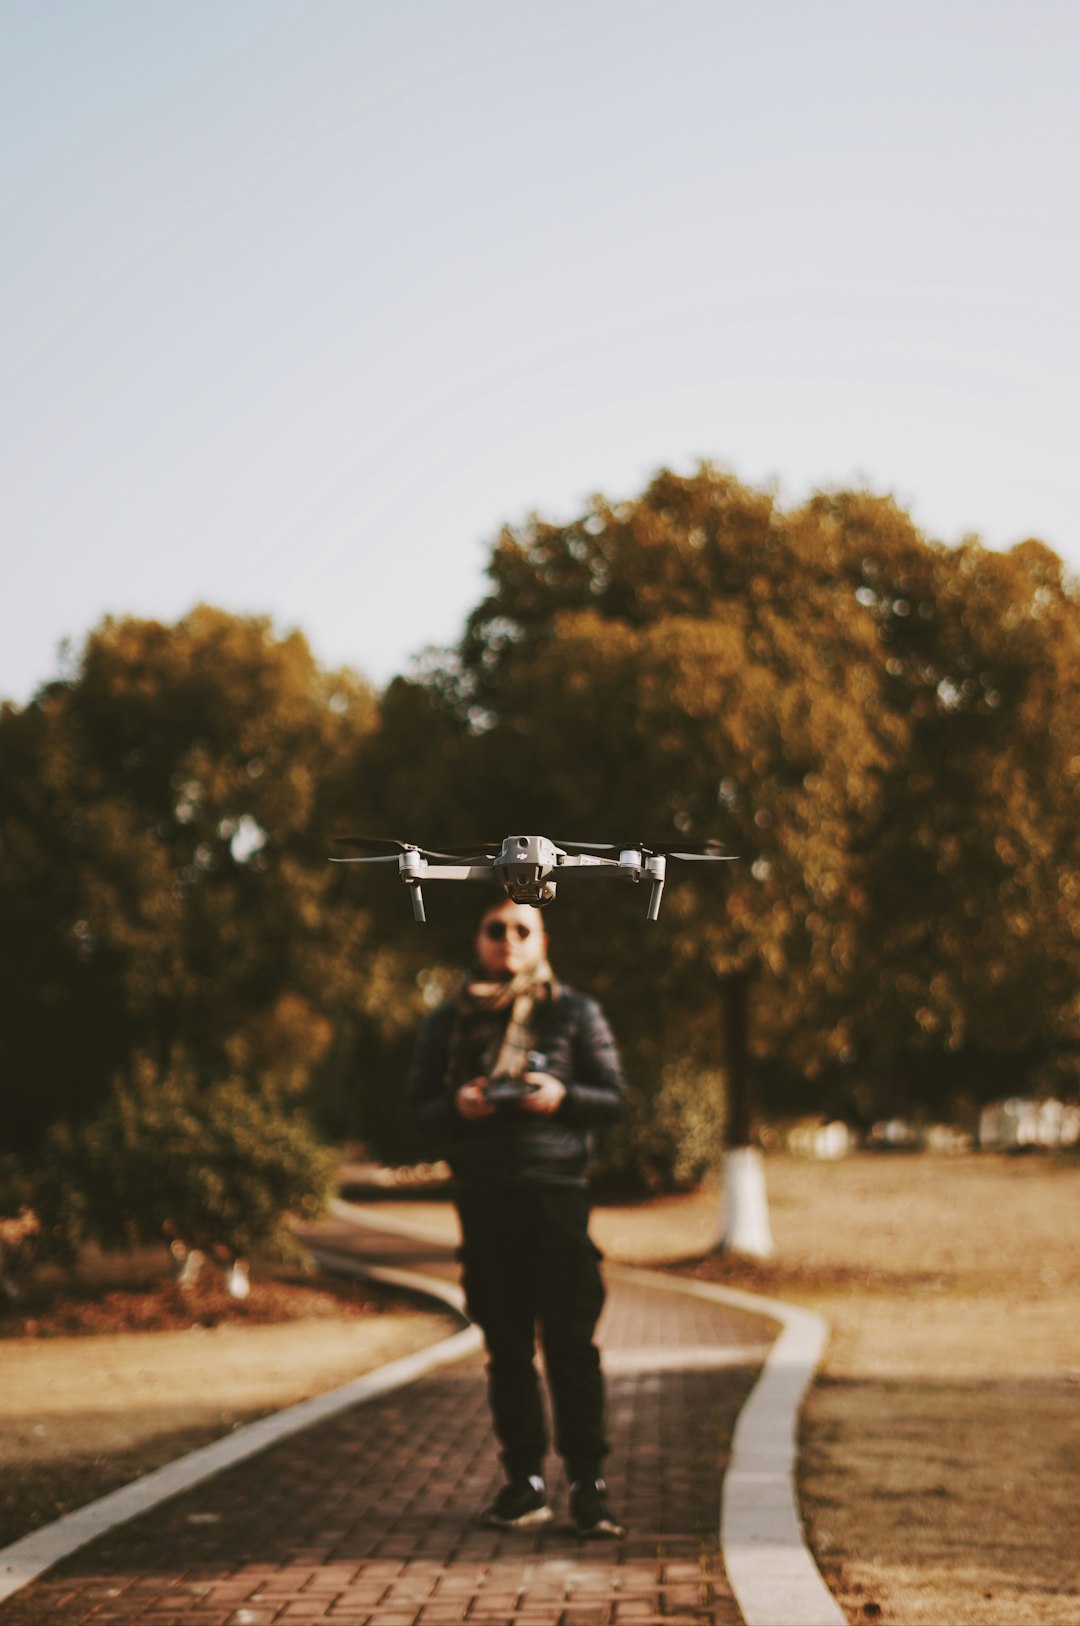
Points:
(771, 1569)
(24, 1560)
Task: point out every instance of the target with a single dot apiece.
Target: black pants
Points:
(529, 1262)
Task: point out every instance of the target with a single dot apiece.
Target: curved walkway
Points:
(368, 1518)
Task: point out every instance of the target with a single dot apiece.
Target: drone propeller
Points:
(479, 849)
(384, 844)
(693, 849)
(587, 846)
(387, 848)
(704, 857)
(381, 858)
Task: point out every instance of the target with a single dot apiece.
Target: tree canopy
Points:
(879, 726)
(164, 816)
(885, 731)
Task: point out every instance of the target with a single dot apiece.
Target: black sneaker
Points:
(520, 1505)
(590, 1511)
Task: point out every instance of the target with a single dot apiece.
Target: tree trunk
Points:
(736, 996)
(745, 1223)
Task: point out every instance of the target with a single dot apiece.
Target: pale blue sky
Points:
(301, 300)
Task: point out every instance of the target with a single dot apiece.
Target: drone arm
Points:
(415, 869)
(584, 861)
(459, 872)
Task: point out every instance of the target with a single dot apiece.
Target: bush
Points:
(218, 1169)
(20, 1228)
(671, 1138)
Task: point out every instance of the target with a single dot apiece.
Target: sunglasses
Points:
(496, 930)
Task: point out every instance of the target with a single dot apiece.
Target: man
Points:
(509, 1078)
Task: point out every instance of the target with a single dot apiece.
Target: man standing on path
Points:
(509, 1078)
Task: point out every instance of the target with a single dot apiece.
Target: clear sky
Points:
(300, 301)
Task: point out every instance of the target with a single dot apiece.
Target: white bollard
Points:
(746, 1205)
(237, 1280)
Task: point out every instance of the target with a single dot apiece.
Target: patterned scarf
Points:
(485, 1041)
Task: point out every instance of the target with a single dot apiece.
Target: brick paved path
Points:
(369, 1520)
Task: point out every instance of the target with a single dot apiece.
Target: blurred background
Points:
(441, 421)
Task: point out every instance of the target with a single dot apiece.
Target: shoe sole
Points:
(603, 1527)
(527, 1521)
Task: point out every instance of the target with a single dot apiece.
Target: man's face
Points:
(511, 939)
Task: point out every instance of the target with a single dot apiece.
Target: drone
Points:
(528, 868)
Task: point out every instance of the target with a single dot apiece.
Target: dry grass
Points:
(121, 1374)
(940, 1448)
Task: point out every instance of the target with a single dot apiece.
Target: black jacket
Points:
(519, 1148)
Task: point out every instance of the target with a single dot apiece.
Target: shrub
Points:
(671, 1138)
(218, 1169)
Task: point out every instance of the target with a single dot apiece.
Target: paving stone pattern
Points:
(370, 1519)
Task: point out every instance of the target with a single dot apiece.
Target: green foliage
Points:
(164, 892)
(972, 861)
(20, 1227)
(220, 1169)
(673, 1136)
(882, 728)
(16, 1186)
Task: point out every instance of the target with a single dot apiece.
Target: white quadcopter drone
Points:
(527, 868)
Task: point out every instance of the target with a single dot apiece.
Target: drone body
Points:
(528, 868)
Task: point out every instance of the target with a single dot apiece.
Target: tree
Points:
(214, 1169)
(972, 862)
(164, 891)
(872, 721)
(687, 663)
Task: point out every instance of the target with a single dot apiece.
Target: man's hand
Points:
(547, 1093)
(471, 1101)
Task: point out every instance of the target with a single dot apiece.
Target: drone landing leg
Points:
(655, 869)
(417, 903)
